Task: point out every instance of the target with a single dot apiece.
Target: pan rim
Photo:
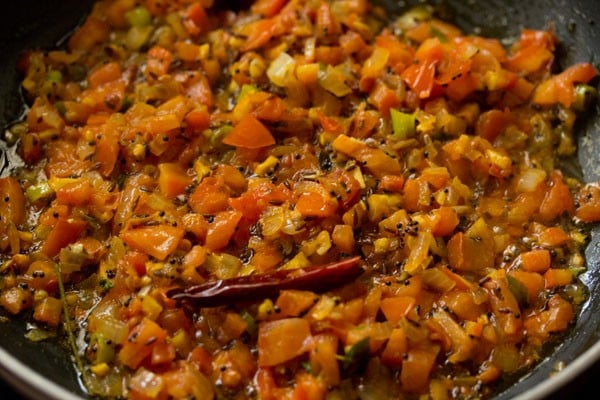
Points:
(560, 379)
(29, 382)
(32, 384)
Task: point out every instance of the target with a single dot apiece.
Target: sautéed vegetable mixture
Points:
(297, 199)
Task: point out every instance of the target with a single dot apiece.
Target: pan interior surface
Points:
(35, 24)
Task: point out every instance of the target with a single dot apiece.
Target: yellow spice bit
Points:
(56, 183)
(201, 169)
(204, 51)
(578, 237)
(151, 307)
(319, 245)
(247, 269)
(180, 339)
(26, 236)
(325, 138)
(381, 245)
(236, 43)
(498, 159)
(139, 151)
(577, 261)
(265, 309)
(39, 295)
(100, 369)
(266, 166)
(299, 261)
(71, 298)
(21, 260)
(323, 308)
(233, 87)
(28, 84)
(257, 67)
(358, 175)
(88, 135)
(308, 73)
(274, 52)
(146, 280)
(380, 205)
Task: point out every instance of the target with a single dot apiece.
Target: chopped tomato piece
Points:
(282, 340)
(66, 230)
(159, 241)
(249, 133)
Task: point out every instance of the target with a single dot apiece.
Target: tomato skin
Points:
(172, 180)
(16, 299)
(265, 383)
(41, 275)
(492, 123)
(49, 311)
(384, 98)
(141, 342)
(249, 133)
(158, 241)
(258, 197)
(417, 194)
(472, 250)
(107, 153)
(222, 229)
(281, 340)
(195, 19)
(159, 62)
(558, 199)
(30, 148)
(561, 88)
(555, 318)
(416, 368)
(588, 203)
(268, 8)
(446, 220)
(107, 73)
(312, 204)
(210, 196)
(197, 120)
(66, 231)
(76, 193)
(420, 77)
(535, 260)
(63, 161)
(12, 203)
(262, 31)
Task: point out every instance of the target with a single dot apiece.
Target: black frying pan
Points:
(44, 370)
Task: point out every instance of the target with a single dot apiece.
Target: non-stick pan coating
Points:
(26, 24)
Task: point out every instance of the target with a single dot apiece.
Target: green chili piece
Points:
(139, 16)
(246, 90)
(54, 76)
(403, 124)
(40, 191)
(584, 94)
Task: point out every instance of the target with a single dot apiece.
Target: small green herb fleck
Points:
(106, 284)
(518, 290)
(355, 358)
(67, 324)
